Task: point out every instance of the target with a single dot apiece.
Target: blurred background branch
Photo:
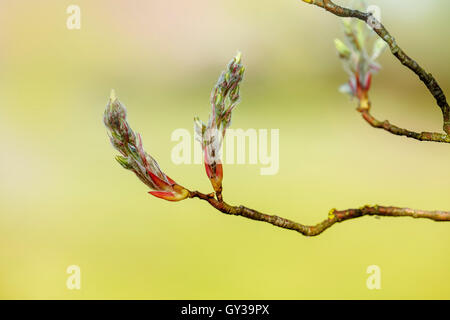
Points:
(425, 77)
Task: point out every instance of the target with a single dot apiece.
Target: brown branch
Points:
(386, 125)
(364, 109)
(424, 76)
(334, 215)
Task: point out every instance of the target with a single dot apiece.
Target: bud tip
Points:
(238, 57)
(112, 95)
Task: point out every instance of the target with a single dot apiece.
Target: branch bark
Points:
(334, 216)
(386, 125)
(427, 78)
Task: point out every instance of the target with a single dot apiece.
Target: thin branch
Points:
(364, 109)
(334, 215)
(386, 125)
(425, 77)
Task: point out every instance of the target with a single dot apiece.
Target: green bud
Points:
(343, 50)
(346, 22)
(218, 98)
(237, 59)
(123, 162)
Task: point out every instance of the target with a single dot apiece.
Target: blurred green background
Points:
(65, 201)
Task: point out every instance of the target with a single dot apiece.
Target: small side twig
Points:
(386, 125)
(364, 108)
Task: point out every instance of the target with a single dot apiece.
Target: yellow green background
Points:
(65, 201)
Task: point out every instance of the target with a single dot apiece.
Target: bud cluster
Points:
(224, 98)
(133, 156)
(357, 61)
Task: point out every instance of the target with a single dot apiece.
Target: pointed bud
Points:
(237, 59)
(343, 50)
(112, 95)
(134, 157)
(224, 98)
(179, 193)
(124, 162)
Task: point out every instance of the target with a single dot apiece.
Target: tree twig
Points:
(386, 125)
(364, 108)
(378, 27)
(334, 215)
